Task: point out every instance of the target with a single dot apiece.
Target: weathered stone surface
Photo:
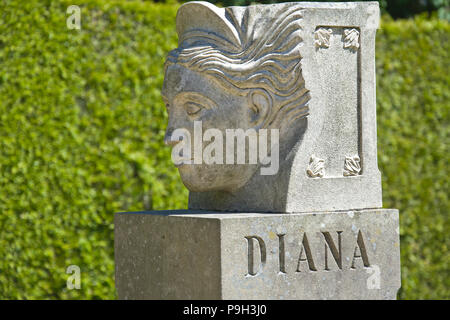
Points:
(190, 254)
(306, 73)
(305, 69)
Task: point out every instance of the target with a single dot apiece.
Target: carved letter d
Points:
(251, 254)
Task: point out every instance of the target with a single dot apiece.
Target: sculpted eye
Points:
(192, 108)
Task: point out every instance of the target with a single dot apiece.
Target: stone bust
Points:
(291, 90)
(235, 69)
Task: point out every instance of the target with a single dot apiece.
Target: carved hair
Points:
(267, 60)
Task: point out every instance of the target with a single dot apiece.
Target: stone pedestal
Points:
(190, 254)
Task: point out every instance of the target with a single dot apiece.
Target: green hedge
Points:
(82, 127)
(413, 94)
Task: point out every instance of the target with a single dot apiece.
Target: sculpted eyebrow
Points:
(197, 97)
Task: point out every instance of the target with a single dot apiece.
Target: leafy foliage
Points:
(81, 137)
(413, 94)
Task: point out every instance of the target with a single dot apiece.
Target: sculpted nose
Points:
(167, 137)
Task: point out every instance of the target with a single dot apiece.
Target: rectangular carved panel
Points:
(337, 54)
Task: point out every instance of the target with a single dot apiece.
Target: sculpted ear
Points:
(260, 103)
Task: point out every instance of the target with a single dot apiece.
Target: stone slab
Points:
(189, 254)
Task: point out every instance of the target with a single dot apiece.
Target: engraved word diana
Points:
(311, 252)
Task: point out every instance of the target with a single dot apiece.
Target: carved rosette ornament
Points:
(316, 167)
(322, 37)
(352, 166)
(351, 39)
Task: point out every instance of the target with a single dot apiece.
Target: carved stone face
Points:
(259, 67)
(230, 74)
(191, 96)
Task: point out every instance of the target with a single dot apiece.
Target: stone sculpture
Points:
(289, 206)
(271, 67)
